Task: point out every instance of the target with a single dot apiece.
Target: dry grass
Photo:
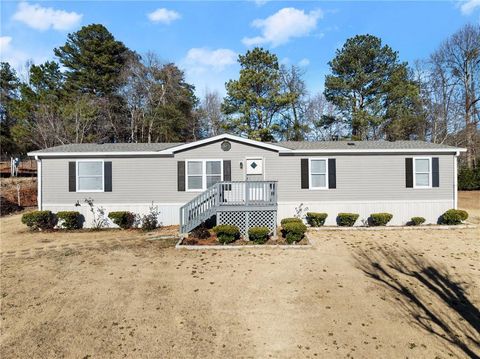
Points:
(391, 294)
(470, 201)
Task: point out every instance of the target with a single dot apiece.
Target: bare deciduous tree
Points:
(457, 65)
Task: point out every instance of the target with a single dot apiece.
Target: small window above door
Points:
(254, 166)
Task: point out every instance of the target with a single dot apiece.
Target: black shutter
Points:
(332, 173)
(304, 173)
(181, 176)
(409, 172)
(72, 177)
(107, 176)
(227, 170)
(435, 172)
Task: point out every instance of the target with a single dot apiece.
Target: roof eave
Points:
(377, 150)
(89, 154)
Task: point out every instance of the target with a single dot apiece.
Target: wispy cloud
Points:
(164, 16)
(44, 18)
(15, 57)
(210, 68)
(469, 6)
(285, 24)
(304, 62)
(260, 2)
(214, 59)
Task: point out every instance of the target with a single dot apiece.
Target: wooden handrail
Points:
(240, 194)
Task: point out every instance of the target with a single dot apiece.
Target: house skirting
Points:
(402, 211)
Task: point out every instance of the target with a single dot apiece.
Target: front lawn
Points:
(343, 297)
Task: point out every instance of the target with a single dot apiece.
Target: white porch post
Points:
(39, 183)
(455, 181)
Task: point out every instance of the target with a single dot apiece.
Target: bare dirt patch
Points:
(17, 193)
(470, 201)
(140, 298)
(384, 294)
(15, 236)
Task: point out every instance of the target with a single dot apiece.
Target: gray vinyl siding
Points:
(145, 179)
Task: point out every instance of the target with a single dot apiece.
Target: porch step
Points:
(230, 196)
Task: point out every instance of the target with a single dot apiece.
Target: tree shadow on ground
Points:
(426, 294)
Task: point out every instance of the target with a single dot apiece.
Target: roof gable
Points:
(206, 141)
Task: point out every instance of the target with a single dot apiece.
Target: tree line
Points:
(98, 90)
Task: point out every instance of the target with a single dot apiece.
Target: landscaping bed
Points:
(213, 241)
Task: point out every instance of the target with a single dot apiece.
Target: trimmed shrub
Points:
(200, 232)
(123, 219)
(453, 217)
(347, 219)
(258, 235)
(70, 219)
(379, 219)
(290, 220)
(293, 231)
(39, 220)
(316, 219)
(416, 221)
(226, 233)
(463, 214)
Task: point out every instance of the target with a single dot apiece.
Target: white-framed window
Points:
(201, 174)
(318, 168)
(422, 172)
(90, 176)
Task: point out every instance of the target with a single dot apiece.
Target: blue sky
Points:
(205, 38)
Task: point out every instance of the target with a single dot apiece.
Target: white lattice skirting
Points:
(248, 219)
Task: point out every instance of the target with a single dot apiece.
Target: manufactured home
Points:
(248, 183)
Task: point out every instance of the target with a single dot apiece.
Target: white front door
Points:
(255, 171)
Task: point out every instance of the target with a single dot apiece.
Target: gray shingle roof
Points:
(361, 145)
(292, 145)
(110, 147)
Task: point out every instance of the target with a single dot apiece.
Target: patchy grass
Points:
(385, 294)
(470, 201)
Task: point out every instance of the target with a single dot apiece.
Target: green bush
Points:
(453, 217)
(379, 219)
(416, 221)
(123, 219)
(40, 220)
(316, 219)
(347, 219)
(468, 179)
(290, 220)
(293, 231)
(70, 219)
(258, 235)
(226, 233)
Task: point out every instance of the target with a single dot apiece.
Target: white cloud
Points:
(5, 43)
(210, 68)
(469, 6)
(260, 2)
(164, 16)
(285, 24)
(205, 58)
(44, 18)
(17, 58)
(304, 62)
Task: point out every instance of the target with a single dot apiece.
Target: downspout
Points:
(455, 181)
(39, 183)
